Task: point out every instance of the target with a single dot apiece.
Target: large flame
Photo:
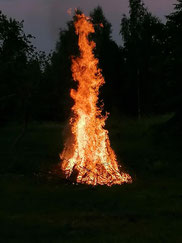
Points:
(88, 154)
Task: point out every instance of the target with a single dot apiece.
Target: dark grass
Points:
(34, 208)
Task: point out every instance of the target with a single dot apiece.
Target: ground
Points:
(34, 208)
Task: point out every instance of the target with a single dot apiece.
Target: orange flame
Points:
(88, 153)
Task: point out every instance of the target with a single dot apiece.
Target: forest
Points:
(143, 96)
(142, 76)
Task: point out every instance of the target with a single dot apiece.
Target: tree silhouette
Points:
(110, 60)
(142, 35)
(58, 75)
(20, 70)
(59, 72)
(174, 40)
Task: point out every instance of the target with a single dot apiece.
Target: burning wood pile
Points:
(87, 153)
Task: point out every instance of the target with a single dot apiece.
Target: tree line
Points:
(143, 75)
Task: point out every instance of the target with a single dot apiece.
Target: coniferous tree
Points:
(110, 61)
(58, 74)
(143, 37)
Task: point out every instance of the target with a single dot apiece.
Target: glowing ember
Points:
(88, 154)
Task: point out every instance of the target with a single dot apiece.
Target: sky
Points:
(44, 18)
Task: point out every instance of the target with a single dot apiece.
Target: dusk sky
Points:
(44, 18)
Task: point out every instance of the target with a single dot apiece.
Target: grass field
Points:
(35, 209)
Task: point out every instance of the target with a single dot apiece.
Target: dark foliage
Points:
(142, 77)
(20, 71)
(174, 61)
(143, 36)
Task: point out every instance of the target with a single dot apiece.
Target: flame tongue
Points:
(89, 153)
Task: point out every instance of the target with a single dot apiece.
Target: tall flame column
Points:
(88, 153)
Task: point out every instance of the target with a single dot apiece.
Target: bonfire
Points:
(87, 153)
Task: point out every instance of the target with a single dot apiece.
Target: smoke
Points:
(69, 11)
